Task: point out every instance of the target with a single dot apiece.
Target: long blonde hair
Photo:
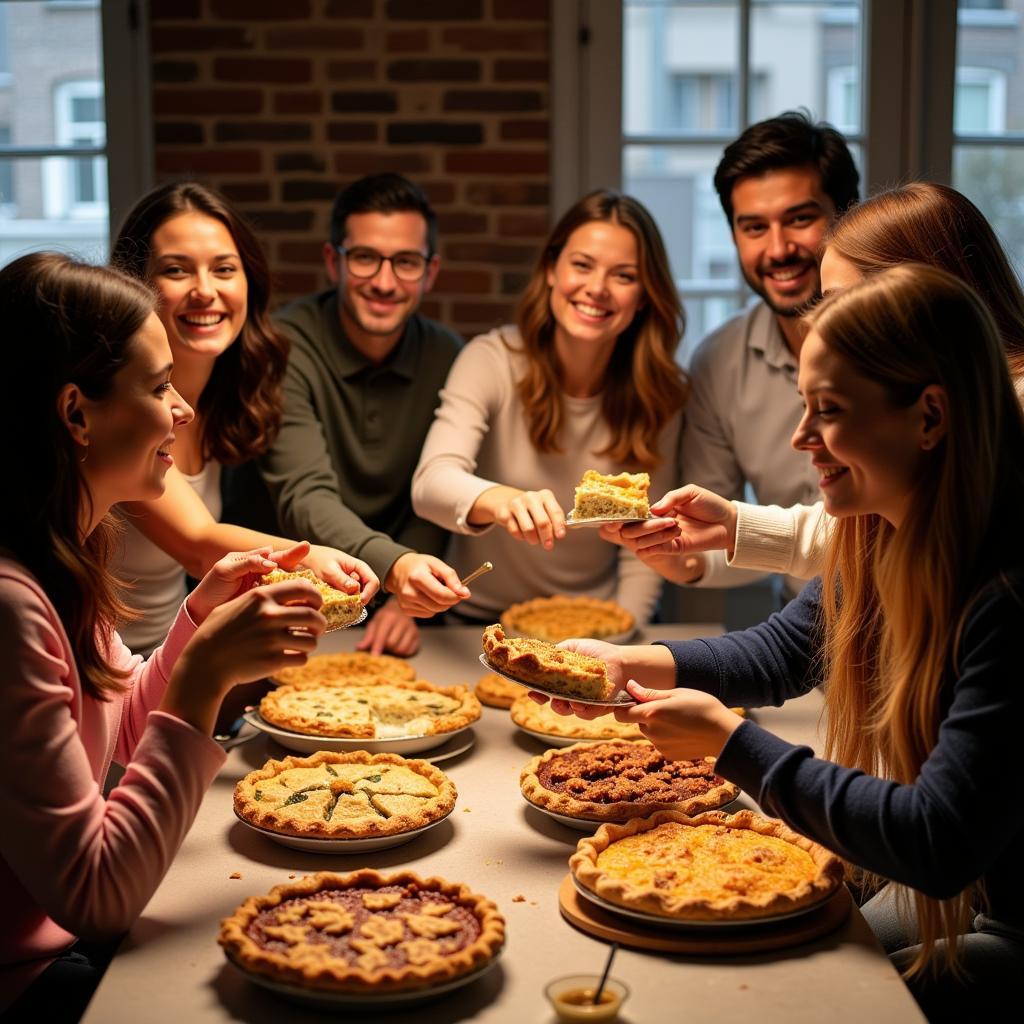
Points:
(895, 601)
(644, 386)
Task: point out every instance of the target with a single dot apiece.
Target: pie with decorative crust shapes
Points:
(561, 617)
(371, 709)
(364, 932)
(338, 608)
(344, 796)
(498, 692)
(536, 661)
(622, 496)
(706, 867)
(621, 779)
(536, 717)
(344, 668)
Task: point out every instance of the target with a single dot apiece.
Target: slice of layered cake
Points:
(623, 496)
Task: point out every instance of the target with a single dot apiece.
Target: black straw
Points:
(604, 976)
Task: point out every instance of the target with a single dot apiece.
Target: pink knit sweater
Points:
(72, 863)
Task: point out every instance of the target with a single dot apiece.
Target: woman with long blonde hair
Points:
(586, 380)
(913, 629)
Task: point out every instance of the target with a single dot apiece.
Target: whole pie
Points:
(338, 608)
(498, 692)
(622, 496)
(544, 664)
(334, 668)
(536, 717)
(705, 867)
(364, 932)
(371, 710)
(344, 796)
(619, 780)
(561, 617)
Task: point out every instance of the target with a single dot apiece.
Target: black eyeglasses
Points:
(406, 266)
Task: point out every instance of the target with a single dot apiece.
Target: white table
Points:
(170, 967)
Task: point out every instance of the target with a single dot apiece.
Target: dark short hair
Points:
(382, 193)
(790, 140)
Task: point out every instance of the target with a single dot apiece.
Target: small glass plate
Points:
(621, 700)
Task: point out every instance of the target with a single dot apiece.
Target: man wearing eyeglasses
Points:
(359, 396)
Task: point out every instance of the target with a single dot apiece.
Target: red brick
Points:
(387, 160)
(176, 133)
(463, 281)
(514, 282)
(489, 252)
(188, 40)
(351, 131)
(260, 10)
(296, 282)
(461, 222)
(522, 10)
(491, 161)
(412, 40)
(528, 225)
(365, 101)
(507, 193)
(434, 71)
(489, 313)
(438, 192)
(207, 101)
(349, 9)
(276, 219)
(262, 131)
(209, 161)
(433, 309)
(300, 252)
(304, 102)
(292, 70)
(175, 71)
(316, 190)
(434, 10)
(174, 10)
(491, 40)
(318, 38)
(516, 131)
(449, 133)
(512, 100)
(246, 191)
(303, 160)
(351, 70)
(521, 70)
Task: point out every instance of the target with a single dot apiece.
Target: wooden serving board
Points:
(711, 941)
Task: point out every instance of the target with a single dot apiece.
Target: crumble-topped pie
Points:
(338, 608)
(540, 718)
(622, 496)
(371, 710)
(344, 668)
(561, 617)
(364, 932)
(705, 867)
(344, 796)
(498, 692)
(621, 779)
(541, 663)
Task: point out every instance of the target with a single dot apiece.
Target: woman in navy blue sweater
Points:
(914, 629)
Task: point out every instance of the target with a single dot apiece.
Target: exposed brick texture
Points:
(279, 104)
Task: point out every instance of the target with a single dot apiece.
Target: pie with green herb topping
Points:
(344, 796)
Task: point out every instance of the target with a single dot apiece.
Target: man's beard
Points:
(792, 309)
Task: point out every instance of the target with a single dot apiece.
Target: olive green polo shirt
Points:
(351, 433)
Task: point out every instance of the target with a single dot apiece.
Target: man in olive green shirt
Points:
(359, 396)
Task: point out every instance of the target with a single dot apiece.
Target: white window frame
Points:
(59, 200)
(995, 80)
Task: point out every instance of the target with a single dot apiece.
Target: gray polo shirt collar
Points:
(765, 336)
(349, 361)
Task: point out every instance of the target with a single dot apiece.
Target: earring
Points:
(85, 456)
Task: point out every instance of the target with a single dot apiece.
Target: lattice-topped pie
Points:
(344, 796)
(561, 617)
(364, 932)
(536, 717)
(343, 668)
(709, 866)
(338, 608)
(536, 661)
(619, 780)
(371, 710)
(498, 692)
(622, 496)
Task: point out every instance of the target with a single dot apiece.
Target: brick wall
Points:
(281, 102)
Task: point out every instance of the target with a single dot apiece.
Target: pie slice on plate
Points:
(339, 609)
(621, 496)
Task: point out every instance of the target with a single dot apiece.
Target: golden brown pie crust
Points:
(497, 691)
(562, 617)
(706, 867)
(338, 608)
(355, 795)
(543, 664)
(372, 709)
(343, 668)
(621, 779)
(364, 932)
(621, 495)
(536, 717)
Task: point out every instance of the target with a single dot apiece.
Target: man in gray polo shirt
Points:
(781, 184)
(359, 395)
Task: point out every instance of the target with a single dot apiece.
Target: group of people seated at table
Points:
(878, 426)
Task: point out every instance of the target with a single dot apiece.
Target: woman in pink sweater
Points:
(89, 415)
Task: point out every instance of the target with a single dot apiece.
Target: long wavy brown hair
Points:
(67, 322)
(239, 411)
(644, 386)
(895, 600)
(934, 224)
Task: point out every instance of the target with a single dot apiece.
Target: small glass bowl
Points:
(606, 1010)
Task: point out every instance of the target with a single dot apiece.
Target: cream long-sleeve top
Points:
(73, 864)
(479, 439)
